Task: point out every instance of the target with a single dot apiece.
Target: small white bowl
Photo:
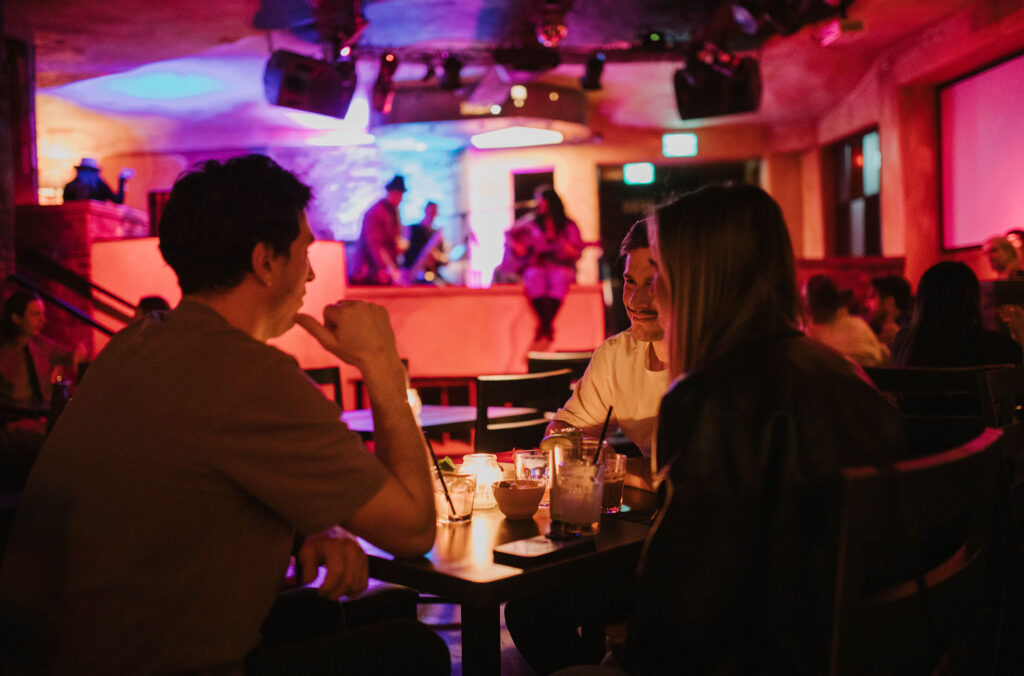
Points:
(518, 498)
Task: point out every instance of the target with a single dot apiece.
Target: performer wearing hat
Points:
(87, 184)
(375, 260)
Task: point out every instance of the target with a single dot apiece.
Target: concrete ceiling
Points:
(79, 39)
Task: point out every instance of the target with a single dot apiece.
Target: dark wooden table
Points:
(433, 418)
(460, 568)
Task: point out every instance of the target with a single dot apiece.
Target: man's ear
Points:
(263, 262)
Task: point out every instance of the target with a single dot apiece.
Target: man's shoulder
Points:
(194, 333)
(619, 346)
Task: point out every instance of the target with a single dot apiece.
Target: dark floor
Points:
(447, 614)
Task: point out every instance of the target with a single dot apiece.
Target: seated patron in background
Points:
(832, 324)
(889, 305)
(426, 253)
(735, 577)
(156, 527)
(629, 371)
(87, 184)
(1002, 257)
(375, 259)
(29, 361)
(945, 328)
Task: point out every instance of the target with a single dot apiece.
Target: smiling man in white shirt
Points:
(629, 370)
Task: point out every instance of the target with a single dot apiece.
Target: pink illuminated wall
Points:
(133, 268)
(983, 155)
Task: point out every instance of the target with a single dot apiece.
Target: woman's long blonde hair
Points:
(725, 258)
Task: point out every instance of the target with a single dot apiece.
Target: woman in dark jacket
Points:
(945, 329)
(737, 575)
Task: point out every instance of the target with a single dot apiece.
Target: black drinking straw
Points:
(604, 431)
(440, 475)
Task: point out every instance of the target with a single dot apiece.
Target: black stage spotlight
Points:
(452, 68)
(591, 79)
(383, 94)
(301, 82)
(745, 86)
(706, 90)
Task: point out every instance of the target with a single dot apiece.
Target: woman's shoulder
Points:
(999, 348)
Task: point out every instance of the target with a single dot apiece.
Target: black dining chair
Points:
(577, 362)
(330, 376)
(543, 392)
(915, 549)
(943, 407)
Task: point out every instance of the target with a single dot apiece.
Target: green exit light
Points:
(679, 145)
(638, 173)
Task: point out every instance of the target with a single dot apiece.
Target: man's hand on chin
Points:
(357, 332)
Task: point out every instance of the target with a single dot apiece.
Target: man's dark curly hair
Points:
(636, 238)
(218, 213)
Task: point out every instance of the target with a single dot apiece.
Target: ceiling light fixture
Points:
(451, 79)
(591, 79)
(714, 82)
(516, 137)
(551, 25)
(301, 82)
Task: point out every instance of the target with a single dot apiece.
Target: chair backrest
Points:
(985, 391)
(943, 407)
(577, 362)
(327, 375)
(544, 392)
(914, 544)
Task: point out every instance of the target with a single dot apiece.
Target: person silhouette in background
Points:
(832, 324)
(552, 244)
(375, 259)
(87, 184)
(150, 304)
(426, 252)
(945, 329)
(889, 305)
(29, 361)
(1002, 257)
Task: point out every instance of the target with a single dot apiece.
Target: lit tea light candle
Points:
(487, 470)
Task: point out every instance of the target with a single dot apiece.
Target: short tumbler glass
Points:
(534, 464)
(461, 492)
(576, 491)
(614, 480)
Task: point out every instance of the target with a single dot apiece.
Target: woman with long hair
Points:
(28, 360)
(945, 328)
(735, 576)
(550, 244)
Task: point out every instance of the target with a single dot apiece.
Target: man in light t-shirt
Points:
(629, 371)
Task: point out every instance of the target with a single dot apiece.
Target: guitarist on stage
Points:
(426, 252)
